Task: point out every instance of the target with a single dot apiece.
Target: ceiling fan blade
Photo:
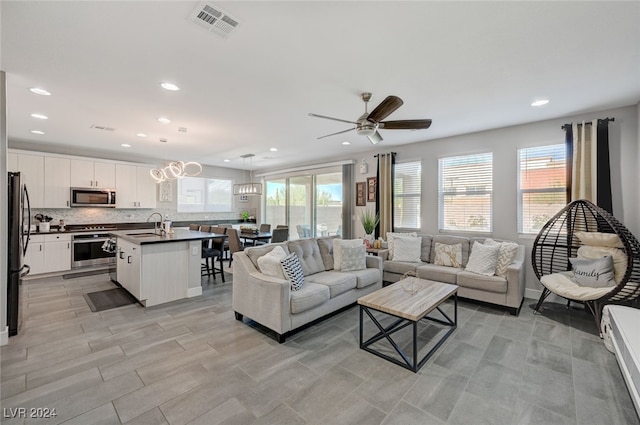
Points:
(385, 108)
(333, 134)
(331, 118)
(375, 138)
(405, 125)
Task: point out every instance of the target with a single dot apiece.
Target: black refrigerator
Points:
(19, 222)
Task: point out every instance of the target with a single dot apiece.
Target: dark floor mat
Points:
(109, 298)
(83, 274)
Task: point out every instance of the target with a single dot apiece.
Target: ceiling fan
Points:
(369, 123)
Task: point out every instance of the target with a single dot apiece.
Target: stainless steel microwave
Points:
(93, 197)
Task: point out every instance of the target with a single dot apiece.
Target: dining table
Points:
(254, 237)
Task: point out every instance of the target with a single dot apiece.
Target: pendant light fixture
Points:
(176, 170)
(250, 188)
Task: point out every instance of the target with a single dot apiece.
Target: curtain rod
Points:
(378, 154)
(600, 121)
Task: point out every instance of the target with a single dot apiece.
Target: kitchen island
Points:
(157, 269)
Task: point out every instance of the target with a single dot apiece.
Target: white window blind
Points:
(465, 190)
(541, 185)
(196, 194)
(407, 190)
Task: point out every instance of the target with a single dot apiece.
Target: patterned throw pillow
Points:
(353, 258)
(338, 246)
(448, 255)
(293, 271)
(508, 251)
(392, 235)
(407, 248)
(596, 273)
(483, 259)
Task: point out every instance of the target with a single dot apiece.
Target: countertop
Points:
(146, 236)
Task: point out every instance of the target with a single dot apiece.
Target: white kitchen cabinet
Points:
(56, 182)
(12, 162)
(31, 169)
(128, 267)
(48, 253)
(134, 187)
(87, 173)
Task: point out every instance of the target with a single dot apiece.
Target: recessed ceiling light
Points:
(227, 160)
(40, 116)
(125, 145)
(540, 102)
(38, 90)
(141, 135)
(274, 149)
(169, 86)
(164, 120)
(346, 143)
(37, 131)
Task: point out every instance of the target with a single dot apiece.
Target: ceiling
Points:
(469, 66)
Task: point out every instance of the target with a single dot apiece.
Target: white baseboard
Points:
(194, 292)
(4, 336)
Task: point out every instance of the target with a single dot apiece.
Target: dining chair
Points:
(265, 227)
(280, 234)
(194, 227)
(282, 226)
(212, 249)
(234, 243)
(225, 225)
(225, 241)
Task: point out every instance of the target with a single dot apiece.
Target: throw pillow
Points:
(448, 255)
(407, 248)
(353, 258)
(619, 258)
(269, 263)
(600, 239)
(392, 235)
(338, 245)
(508, 251)
(596, 273)
(293, 271)
(483, 259)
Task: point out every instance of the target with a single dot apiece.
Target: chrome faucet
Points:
(158, 230)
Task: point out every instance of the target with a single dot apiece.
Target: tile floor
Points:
(191, 362)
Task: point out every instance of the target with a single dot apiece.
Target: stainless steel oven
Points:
(86, 250)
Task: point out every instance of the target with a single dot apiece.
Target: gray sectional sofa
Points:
(505, 291)
(270, 301)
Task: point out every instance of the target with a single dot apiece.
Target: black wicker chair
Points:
(557, 242)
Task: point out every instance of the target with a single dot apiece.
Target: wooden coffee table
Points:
(397, 300)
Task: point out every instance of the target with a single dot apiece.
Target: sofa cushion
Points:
(366, 277)
(338, 244)
(438, 273)
(337, 282)
(485, 283)
(325, 244)
(448, 255)
(269, 263)
(562, 284)
(308, 253)
(407, 248)
(451, 240)
(610, 240)
(293, 271)
(255, 252)
(309, 296)
(400, 267)
(425, 249)
(353, 258)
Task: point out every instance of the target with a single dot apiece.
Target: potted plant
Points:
(245, 215)
(369, 222)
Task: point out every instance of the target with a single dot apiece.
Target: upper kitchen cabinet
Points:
(31, 169)
(56, 182)
(85, 173)
(134, 187)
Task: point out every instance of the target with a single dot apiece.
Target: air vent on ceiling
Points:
(102, 127)
(213, 19)
(162, 140)
(182, 129)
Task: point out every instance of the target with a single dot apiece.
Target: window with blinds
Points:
(407, 191)
(541, 185)
(465, 193)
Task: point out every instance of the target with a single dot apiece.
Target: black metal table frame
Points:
(412, 364)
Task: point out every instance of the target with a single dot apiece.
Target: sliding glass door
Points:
(311, 204)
